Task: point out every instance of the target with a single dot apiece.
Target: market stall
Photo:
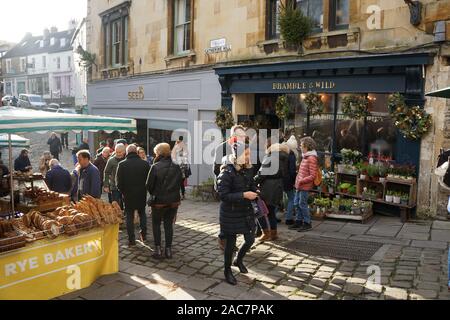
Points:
(69, 246)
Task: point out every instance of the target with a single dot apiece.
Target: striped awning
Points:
(17, 120)
(16, 141)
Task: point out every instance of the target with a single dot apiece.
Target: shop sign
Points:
(136, 95)
(305, 85)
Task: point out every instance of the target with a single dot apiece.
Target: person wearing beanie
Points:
(237, 190)
(289, 178)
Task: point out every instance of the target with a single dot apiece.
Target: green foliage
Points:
(355, 106)
(294, 25)
(87, 58)
(224, 118)
(282, 108)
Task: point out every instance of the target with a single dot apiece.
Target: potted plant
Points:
(404, 199)
(397, 197)
(362, 168)
(329, 181)
(343, 187)
(389, 196)
(372, 172)
(352, 190)
(383, 171)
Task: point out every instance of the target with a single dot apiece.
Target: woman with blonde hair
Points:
(164, 184)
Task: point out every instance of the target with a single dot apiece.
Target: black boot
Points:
(240, 264)
(306, 227)
(168, 253)
(229, 277)
(158, 253)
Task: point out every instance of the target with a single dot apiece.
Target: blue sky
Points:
(21, 16)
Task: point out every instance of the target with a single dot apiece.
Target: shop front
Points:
(166, 107)
(252, 92)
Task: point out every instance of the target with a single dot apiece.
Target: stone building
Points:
(171, 63)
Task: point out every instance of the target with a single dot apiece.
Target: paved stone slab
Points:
(109, 292)
(429, 244)
(413, 235)
(354, 229)
(385, 240)
(440, 235)
(443, 225)
(395, 294)
(226, 290)
(185, 294)
(385, 231)
(423, 294)
(199, 284)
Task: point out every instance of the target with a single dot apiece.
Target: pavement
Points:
(412, 264)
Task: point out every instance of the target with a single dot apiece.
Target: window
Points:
(23, 64)
(8, 66)
(44, 62)
(273, 13)
(69, 62)
(339, 14)
(182, 26)
(33, 63)
(63, 42)
(116, 39)
(58, 63)
(312, 9)
(52, 41)
(45, 85)
(58, 83)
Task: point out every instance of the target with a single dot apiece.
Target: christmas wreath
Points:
(282, 107)
(224, 118)
(412, 122)
(355, 107)
(314, 104)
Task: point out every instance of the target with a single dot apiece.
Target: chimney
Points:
(73, 24)
(53, 30)
(46, 33)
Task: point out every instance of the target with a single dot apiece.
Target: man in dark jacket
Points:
(58, 179)
(22, 163)
(164, 185)
(131, 180)
(101, 161)
(55, 146)
(89, 179)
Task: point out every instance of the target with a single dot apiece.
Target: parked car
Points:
(31, 101)
(6, 100)
(67, 110)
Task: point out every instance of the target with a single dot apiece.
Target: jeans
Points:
(272, 219)
(301, 204)
(166, 215)
(130, 222)
(290, 206)
(231, 244)
(449, 268)
(116, 195)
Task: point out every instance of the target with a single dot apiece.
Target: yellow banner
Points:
(52, 268)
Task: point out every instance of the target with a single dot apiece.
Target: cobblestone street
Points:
(412, 260)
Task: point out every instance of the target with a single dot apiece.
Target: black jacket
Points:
(291, 172)
(270, 175)
(236, 213)
(21, 163)
(131, 177)
(55, 145)
(164, 182)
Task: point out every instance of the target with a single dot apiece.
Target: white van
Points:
(31, 101)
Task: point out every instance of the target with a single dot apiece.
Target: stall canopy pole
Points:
(11, 180)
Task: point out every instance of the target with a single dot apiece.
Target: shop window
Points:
(182, 11)
(273, 14)
(339, 14)
(314, 10)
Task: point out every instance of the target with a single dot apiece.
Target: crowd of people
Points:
(136, 181)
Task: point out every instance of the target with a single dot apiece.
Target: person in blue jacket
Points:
(89, 182)
(58, 179)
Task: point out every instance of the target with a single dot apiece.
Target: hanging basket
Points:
(224, 118)
(282, 108)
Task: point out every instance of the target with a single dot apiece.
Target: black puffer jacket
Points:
(236, 213)
(166, 189)
(271, 173)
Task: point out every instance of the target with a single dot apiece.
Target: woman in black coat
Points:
(270, 181)
(237, 190)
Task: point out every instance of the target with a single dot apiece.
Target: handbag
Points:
(151, 200)
(260, 208)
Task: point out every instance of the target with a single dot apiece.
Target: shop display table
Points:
(51, 268)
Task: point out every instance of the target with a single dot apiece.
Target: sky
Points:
(21, 16)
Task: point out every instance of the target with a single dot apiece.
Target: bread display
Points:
(40, 195)
(10, 239)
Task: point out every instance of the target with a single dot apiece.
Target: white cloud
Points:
(21, 16)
